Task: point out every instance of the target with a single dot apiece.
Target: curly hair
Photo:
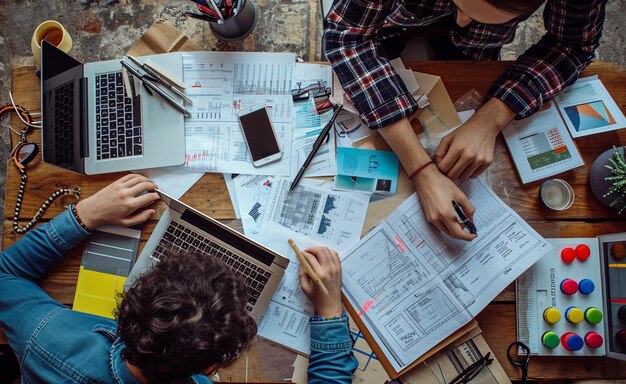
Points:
(184, 315)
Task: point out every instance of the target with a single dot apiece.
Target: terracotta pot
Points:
(600, 186)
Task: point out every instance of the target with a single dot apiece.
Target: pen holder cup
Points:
(239, 26)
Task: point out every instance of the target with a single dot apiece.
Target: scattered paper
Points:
(220, 84)
(366, 171)
(588, 108)
(230, 185)
(413, 286)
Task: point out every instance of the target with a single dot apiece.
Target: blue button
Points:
(575, 343)
(586, 286)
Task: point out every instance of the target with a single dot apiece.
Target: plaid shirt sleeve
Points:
(573, 33)
(377, 91)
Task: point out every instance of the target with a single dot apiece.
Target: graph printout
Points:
(541, 146)
(413, 286)
(220, 84)
(588, 108)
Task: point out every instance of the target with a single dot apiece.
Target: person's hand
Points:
(125, 203)
(468, 151)
(436, 192)
(328, 267)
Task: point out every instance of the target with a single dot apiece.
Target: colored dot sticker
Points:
(568, 255)
(572, 342)
(552, 315)
(574, 315)
(569, 286)
(550, 340)
(586, 286)
(618, 251)
(583, 252)
(620, 337)
(593, 340)
(593, 315)
(621, 313)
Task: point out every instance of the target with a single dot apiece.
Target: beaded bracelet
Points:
(420, 169)
(75, 213)
(316, 317)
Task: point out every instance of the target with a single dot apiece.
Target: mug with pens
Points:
(228, 19)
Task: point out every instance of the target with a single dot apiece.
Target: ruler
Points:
(526, 310)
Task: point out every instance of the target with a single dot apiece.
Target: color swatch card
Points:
(588, 108)
(541, 146)
(364, 170)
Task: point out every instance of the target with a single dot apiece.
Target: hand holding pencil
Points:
(320, 278)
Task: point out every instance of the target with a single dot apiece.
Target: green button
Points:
(593, 315)
(550, 340)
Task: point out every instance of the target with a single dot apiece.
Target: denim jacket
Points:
(57, 345)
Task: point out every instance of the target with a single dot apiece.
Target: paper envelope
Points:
(440, 115)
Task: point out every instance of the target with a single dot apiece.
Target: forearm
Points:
(404, 142)
(494, 115)
(331, 358)
(32, 256)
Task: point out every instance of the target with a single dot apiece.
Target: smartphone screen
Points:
(259, 134)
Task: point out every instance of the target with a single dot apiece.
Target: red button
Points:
(569, 286)
(593, 340)
(582, 252)
(568, 255)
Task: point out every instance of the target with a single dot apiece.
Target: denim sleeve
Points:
(32, 257)
(24, 306)
(331, 359)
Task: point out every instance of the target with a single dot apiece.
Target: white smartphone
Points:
(259, 134)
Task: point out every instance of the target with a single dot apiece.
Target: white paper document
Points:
(588, 108)
(220, 84)
(413, 286)
(287, 318)
(541, 146)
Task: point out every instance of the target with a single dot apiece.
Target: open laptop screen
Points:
(54, 61)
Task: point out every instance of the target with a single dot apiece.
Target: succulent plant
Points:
(618, 169)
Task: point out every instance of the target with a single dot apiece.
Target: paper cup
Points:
(54, 33)
(239, 26)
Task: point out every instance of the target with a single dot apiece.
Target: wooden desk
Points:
(270, 362)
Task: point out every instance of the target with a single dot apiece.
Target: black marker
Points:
(463, 217)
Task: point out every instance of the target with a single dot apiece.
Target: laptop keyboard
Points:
(179, 237)
(118, 119)
(64, 125)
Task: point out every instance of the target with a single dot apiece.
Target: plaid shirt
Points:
(354, 30)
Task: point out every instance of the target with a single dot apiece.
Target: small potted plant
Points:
(608, 178)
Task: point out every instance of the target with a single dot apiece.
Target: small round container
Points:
(556, 194)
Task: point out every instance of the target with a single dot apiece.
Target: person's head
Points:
(494, 11)
(185, 316)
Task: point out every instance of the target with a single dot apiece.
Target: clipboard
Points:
(393, 374)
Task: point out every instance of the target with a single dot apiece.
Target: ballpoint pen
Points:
(316, 146)
(151, 86)
(463, 218)
(150, 71)
(307, 267)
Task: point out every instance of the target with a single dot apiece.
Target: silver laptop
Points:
(90, 125)
(184, 228)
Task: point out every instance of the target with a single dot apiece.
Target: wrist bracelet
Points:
(75, 214)
(316, 317)
(420, 169)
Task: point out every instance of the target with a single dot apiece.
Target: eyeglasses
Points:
(473, 370)
(318, 90)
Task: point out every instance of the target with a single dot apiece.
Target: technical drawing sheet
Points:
(413, 286)
(220, 84)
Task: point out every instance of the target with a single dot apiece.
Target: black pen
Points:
(153, 87)
(316, 146)
(463, 217)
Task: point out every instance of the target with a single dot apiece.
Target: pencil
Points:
(307, 267)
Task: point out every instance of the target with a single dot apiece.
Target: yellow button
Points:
(574, 315)
(551, 315)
